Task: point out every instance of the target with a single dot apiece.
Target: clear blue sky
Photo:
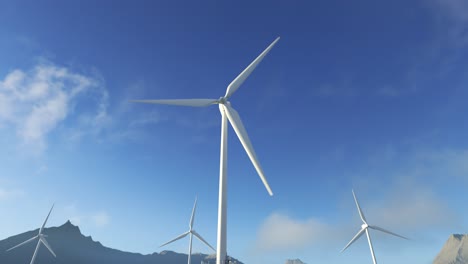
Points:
(369, 95)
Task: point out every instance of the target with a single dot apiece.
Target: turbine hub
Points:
(222, 100)
(364, 226)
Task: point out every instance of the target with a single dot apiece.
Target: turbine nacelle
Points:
(222, 100)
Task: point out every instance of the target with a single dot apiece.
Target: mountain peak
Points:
(68, 223)
(69, 227)
(454, 251)
(458, 236)
(74, 248)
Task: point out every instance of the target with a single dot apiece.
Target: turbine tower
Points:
(365, 228)
(41, 238)
(227, 114)
(192, 233)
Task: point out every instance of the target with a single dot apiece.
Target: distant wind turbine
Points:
(227, 113)
(190, 232)
(41, 238)
(365, 228)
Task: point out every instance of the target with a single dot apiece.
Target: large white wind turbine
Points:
(192, 233)
(365, 228)
(227, 113)
(41, 239)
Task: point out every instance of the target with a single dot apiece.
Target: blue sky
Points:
(363, 94)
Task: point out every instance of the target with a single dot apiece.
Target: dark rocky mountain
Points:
(455, 251)
(72, 247)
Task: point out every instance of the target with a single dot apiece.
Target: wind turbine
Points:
(192, 233)
(365, 228)
(41, 238)
(227, 113)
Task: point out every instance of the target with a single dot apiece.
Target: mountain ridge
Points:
(454, 251)
(72, 247)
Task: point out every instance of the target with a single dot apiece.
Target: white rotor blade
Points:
(234, 85)
(45, 221)
(386, 231)
(175, 239)
(239, 128)
(35, 251)
(361, 214)
(44, 241)
(180, 102)
(202, 240)
(354, 239)
(25, 242)
(192, 218)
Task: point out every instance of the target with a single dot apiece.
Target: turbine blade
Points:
(25, 242)
(180, 102)
(202, 240)
(192, 218)
(175, 239)
(388, 232)
(47, 218)
(239, 128)
(361, 214)
(354, 239)
(35, 251)
(234, 85)
(44, 241)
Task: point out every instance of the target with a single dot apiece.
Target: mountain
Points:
(72, 247)
(455, 251)
(294, 261)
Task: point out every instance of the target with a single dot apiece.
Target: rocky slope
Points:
(455, 251)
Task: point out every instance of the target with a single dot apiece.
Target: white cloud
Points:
(35, 102)
(412, 208)
(388, 91)
(148, 118)
(413, 199)
(456, 9)
(10, 194)
(328, 90)
(280, 232)
(77, 217)
(453, 16)
(101, 219)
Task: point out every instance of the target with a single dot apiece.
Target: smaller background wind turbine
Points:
(41, 239)
(365, 229)
(192, 233)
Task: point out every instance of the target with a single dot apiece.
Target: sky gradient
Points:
(360, 95)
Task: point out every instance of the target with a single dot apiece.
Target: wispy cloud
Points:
(151, 117)
(101, 219)
(280, 232)
(36, 101)
(8, 194)
(343, 89)
(456, 13)
(389, 91)
(412, 207)
(412, 199)
(78, 217)
(407, 204)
